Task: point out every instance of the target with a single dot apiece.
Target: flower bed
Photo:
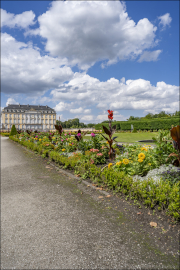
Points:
(6, 134)
(140, 172)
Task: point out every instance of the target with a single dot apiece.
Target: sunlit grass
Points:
(130, 137)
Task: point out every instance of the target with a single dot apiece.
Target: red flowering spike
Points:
(175, 134)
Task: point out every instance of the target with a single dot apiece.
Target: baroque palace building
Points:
(31, 117)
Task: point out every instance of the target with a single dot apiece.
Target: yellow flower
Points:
(28, 140)
(40, 140)
(118, 163)
(70, 144)
(144, 148)
(107, 142)
(63, 149)
(110, 165)
(125, 161)
(140, 160)
(149, 164)
(141, 156)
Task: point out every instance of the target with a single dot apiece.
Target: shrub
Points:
(13, 131)
(134, 130)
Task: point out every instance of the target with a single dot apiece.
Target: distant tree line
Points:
(162, 114)
(74, 123)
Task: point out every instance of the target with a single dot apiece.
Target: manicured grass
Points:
(131, 137)
(134, 137)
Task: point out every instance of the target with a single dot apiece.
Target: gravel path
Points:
(49, 221)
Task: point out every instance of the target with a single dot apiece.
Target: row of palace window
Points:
(11, 110)
(27, 122)
(25, 115)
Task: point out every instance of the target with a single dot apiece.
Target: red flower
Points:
(110, 116)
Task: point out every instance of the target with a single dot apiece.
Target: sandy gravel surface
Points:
(51, 221)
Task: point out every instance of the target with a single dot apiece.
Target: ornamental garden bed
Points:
(141, 173)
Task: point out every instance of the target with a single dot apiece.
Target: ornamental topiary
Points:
(134, 130)
(13, 131)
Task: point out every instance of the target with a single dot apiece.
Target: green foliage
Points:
(96, 142)
(6, 134)
(13, 131)
(171, 176)
(164, 147)
(145, 124)
(74, 123)
(134, 130)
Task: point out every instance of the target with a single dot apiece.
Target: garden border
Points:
(163, 195)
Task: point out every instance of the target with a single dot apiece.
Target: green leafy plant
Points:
(96, 141)
(110, 132)
(171, 176)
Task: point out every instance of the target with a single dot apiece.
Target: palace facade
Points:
(31, 117)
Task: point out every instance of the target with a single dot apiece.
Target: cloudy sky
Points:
(83, 58)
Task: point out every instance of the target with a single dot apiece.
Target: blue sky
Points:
(83, 58)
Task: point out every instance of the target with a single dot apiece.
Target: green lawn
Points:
(131, 137)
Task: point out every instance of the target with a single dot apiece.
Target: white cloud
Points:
(24, 70)
(62, 106)
(123, 80)
(87, 118)
(87, 111)
(165, 20)
(115, 112)
(149, 56)
(112, 94)
(11, 101)
(102, 117)
(22, 20)
(89, 31)
(79, 110)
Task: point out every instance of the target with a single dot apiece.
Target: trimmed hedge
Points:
(163, 195)
(149, 124)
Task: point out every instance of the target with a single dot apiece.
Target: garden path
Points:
(48, 221)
